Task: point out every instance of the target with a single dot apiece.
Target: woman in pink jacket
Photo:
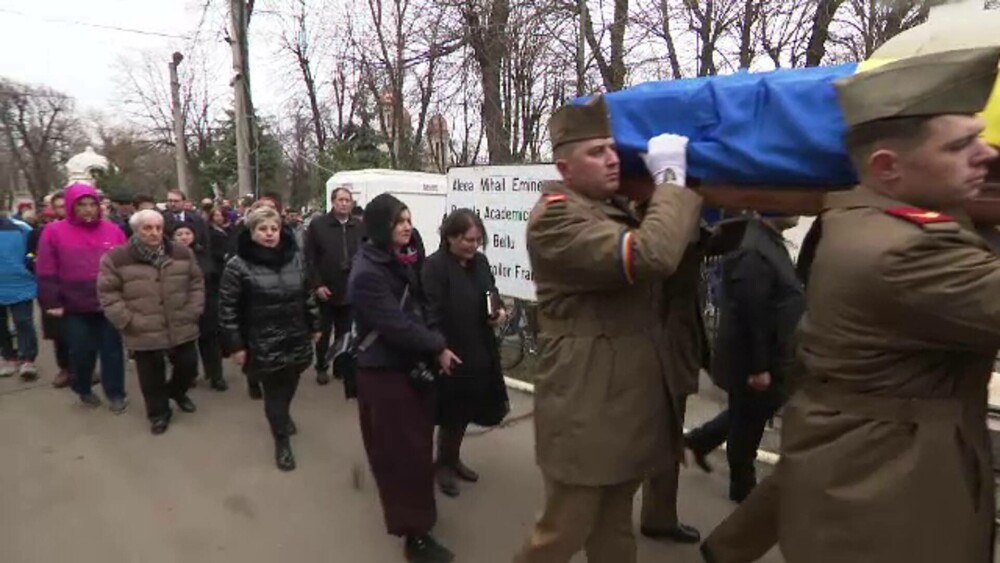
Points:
(69, 257)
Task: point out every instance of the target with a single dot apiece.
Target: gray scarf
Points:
(155, 256)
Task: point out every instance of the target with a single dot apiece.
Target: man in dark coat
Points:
(331, 241)
(762, 302)
(122, 210)
(175, 213)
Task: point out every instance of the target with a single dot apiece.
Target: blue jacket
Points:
(17, 283)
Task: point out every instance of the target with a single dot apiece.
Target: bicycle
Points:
(517, 337)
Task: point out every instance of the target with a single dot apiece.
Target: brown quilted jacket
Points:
(154, 308)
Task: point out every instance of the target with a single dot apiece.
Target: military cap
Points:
(948, 82)
(572, 123)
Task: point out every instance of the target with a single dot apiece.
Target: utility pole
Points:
(241, 97)
(180, 146)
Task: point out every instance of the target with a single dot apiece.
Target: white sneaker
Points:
(28, 371)
(8, 368)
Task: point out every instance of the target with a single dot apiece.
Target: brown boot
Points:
(62, 380)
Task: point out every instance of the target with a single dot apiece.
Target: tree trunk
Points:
(617, 70)
(820, 34)
(675, 64)
(488, 44)
(751, 10)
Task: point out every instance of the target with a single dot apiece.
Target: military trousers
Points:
(577, 518)
(659, 494)
(659, 500)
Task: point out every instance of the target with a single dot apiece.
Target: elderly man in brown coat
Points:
(604, 411)
(154, 293)
(885, 451)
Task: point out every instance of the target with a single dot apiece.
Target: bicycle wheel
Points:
(510, 338)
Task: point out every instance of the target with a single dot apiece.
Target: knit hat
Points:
(380, 218)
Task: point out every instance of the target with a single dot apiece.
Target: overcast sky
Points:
(53, 43)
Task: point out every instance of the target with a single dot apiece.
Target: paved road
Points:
(89, 486)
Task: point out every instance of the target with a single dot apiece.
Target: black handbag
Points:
(343, 355)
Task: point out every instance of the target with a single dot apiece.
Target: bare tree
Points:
(139, 164)
(297, 39)
(611, 67)
(486, 29)
(400, 48)
(145, 102)
(659, 18)
(866, 24)
(785, 31)
(38, 128)
(820, 34)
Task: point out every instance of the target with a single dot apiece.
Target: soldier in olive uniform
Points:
(885, 451)
(604, 415)
(687, 354)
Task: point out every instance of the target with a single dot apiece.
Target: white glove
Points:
(666, 159)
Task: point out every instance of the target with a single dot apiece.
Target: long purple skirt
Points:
(397, 426)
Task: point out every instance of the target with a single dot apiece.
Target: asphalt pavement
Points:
(89, 486)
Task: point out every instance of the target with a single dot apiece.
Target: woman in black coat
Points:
(396, 407)
(209, 345)
(269, 320)
(463, 303)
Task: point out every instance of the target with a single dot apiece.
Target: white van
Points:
(423, 193)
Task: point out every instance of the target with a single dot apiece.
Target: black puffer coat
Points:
(266, 306)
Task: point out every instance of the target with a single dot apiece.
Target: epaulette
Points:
(553, 198)
(922, 217)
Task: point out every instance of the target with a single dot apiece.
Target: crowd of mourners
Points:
(178, 289)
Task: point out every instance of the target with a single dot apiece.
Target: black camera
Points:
(423, 373)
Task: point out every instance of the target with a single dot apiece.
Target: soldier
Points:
(604, 415)
(687, 353)
(885, 451)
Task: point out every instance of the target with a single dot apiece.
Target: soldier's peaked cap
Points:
(948, 82)
(572, 123)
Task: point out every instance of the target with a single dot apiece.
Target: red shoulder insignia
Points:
(919, 216)
(553, 198)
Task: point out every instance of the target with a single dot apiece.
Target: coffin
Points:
(769, 141)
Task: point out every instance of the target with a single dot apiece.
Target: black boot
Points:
(159, 424)
(291, 429)
(426, 549)
(283, 456)
(254, 390)
(219, 384)
(322, 377)
(700, 457)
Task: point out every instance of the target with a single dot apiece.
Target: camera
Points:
(423, 373)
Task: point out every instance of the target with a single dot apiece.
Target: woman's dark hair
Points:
(458, 222)
(380, 218)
